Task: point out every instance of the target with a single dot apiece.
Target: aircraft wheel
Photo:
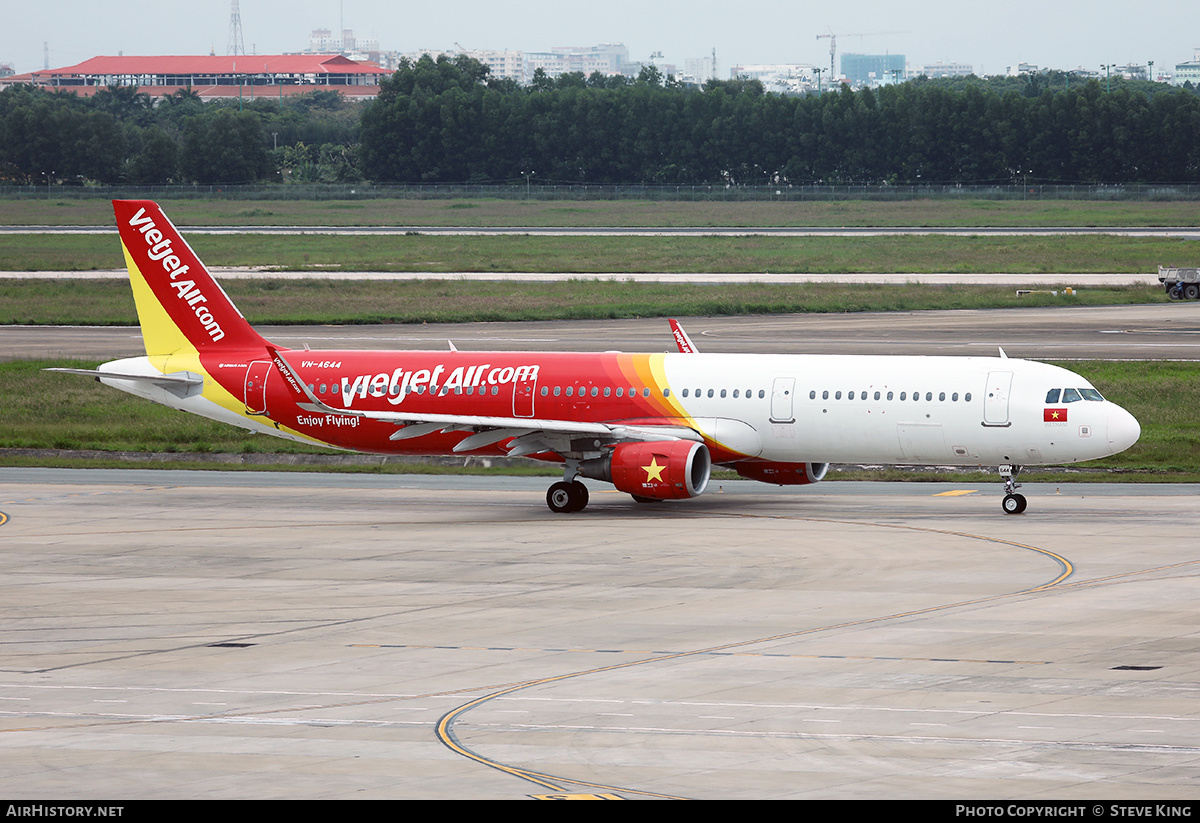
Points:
(559, 498)
(579, 494)
(637, 498)
(1013, 503)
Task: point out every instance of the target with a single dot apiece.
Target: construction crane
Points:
(833, 45)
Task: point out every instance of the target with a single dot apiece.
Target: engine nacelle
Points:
(783, 474)
(661, 470)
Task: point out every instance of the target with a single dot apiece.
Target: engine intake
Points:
(661, 470)
(783, 474)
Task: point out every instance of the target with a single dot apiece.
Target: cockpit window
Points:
(1052, 395)
(1091, 394)
(1071, 396)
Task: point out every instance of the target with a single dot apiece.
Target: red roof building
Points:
(213, 76)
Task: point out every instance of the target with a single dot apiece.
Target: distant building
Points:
(942, 70)
(6, 70)
(213, 76)
(783, 78)
(607, 58)
(508, 65)
(1188, 72)
(1021, 69)
(872, 69)
(698, 70)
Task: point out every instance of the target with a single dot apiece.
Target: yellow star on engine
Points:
(654, 471)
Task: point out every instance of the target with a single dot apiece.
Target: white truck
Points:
(1181, 284)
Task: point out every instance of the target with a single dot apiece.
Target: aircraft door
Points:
(523, 394)
(256, 386)
(781, 400)
(995, 398)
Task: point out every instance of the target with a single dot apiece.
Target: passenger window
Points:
(825, 395)
(685, 392)
(761, 394)
(812, 395)
(903, 395)
(850, 396)
(1052, 395)
(1071, 396)
(967, 397)
(876, 395)
(722, 392)
(942, 396)
(889, 397)
(954, 397)
(645, 392)
(837, 395)
(710, 392)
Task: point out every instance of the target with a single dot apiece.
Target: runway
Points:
(215, 635)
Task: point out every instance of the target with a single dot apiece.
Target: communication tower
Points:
(236, 45)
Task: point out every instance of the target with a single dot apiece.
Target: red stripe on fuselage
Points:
(468, 383)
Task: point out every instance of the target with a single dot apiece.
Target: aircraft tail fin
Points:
(180, 306)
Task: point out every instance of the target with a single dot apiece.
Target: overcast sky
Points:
(988, 35)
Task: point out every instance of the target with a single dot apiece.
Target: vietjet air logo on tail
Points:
(159, 250)
(181, 286)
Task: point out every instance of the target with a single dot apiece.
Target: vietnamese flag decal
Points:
(1054, 415)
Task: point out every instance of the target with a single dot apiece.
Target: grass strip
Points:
(628, 213)
(343, 302)
(762, 254)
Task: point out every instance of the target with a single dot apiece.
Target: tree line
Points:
(449, 121)
(445, 121)
(122, 136)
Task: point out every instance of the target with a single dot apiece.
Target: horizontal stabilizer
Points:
(180, 384)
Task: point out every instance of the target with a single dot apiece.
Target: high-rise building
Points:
(872, 69)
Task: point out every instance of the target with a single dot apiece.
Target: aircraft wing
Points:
(530, 435)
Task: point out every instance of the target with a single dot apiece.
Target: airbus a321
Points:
(653, 425)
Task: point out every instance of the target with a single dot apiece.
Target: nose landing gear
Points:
(1013, 503)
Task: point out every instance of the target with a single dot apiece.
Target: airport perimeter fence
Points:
(520, 191)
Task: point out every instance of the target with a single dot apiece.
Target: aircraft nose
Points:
(1123, 429)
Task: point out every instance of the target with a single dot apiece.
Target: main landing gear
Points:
(564, 497)
(1013, 503)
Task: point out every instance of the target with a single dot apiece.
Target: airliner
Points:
(652, 425)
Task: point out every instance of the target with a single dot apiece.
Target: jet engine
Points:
(660, 470)
(782, 474)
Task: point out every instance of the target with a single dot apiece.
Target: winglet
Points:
(681, 339)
